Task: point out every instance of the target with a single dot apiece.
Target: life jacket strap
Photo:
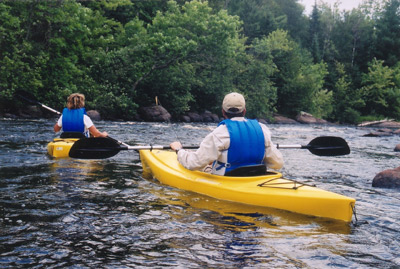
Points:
(221, 165)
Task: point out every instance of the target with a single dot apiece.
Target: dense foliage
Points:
(340, 65)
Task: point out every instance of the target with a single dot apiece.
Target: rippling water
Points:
(90, 213)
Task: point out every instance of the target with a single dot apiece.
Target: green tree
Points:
(315, 35)
(298, 80)
(258, 17)
(255, 80)
(20, 63)
(52, 45)
(183, 57)
(296, 23)
(381, 96)
(262, 17)
(388, 33)
(347, 102)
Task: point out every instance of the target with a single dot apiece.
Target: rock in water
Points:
(387, 179)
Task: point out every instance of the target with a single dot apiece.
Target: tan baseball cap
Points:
(234, 102)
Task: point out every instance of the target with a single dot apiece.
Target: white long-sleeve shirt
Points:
(215, 147)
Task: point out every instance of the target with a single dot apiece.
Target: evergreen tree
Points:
(388, 33)
(315, 35)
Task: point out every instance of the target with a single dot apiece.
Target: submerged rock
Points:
(387, 179)
(379, 133)
(383, 132)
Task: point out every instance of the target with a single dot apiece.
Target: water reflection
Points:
(236, 216)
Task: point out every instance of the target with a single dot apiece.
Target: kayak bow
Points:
(271, 190)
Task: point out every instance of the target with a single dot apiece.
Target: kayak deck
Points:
(60, 147)
(271, 190)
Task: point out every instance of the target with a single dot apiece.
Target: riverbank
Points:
(158, 113)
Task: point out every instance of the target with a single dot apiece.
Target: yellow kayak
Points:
(59, 147)
(271, 190)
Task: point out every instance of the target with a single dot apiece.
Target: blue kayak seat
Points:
(248, 171)
(72, 135)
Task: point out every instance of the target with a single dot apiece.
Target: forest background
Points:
(339, 65)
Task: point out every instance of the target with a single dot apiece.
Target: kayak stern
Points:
(60, 147)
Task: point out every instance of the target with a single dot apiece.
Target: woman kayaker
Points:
(236, 142)
(74, 118)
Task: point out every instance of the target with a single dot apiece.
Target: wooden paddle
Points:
(101, 147)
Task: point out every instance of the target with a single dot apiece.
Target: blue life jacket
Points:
(72, 120)
(247, 144)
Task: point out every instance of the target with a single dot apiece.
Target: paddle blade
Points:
(27, 97)
(95, 148)
(328, 146)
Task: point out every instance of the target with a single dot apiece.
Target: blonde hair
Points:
(75, 101)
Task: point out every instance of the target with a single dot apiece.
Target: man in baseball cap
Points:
(236, 143)
(234, 103)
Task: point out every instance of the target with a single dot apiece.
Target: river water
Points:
(103, 213)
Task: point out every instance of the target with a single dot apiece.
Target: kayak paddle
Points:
(323, 146)
(105, 147)
(30, 98)
(101, 148)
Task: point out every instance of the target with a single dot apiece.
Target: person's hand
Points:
(176, 145)
(104, 134)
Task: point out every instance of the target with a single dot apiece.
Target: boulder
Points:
(397, 147)
(215, 118)
(307, 118)
(137, 117)
(387, 179)
(155, 113)
(185, 118)
(263, 121)
(194, 117)
(93, 114)
(207, 116)
(373, 123)
(388, 124)
(283, 120)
